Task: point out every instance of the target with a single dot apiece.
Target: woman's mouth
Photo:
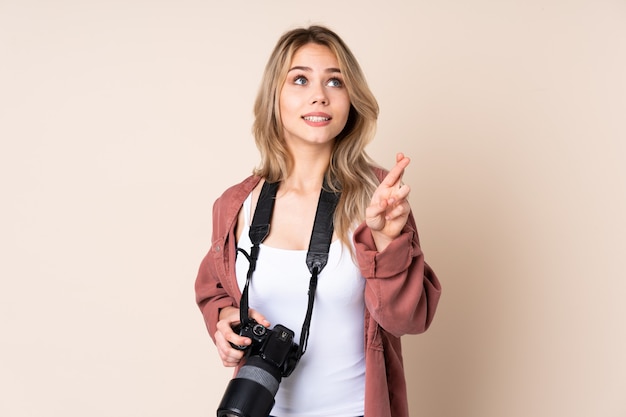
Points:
(316, 119)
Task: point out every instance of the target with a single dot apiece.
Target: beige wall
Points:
(122, 121)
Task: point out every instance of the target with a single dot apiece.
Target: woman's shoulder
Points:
(379, 171)
(236, 194)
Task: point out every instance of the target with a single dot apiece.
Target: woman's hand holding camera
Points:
(225, 335)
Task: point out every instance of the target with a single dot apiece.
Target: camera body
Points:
(271, 356)
(275, 346)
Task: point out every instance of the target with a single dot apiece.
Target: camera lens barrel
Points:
(251, 393)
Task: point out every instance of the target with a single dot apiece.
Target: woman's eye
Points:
(335, 82)
(300, 80)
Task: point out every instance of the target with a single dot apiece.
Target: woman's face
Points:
(314, 103)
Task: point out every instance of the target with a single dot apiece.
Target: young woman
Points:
(314, 115)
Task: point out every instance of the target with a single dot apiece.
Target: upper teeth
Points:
(316, 118)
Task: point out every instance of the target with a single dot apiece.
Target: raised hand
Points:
(389, 209)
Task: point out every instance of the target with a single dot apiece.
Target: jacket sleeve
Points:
(401, 290)
(212, 288)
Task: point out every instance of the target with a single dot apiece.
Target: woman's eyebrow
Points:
(303, 68)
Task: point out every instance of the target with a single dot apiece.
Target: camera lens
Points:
(251, 393)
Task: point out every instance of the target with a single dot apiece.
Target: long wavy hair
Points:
(350, 168)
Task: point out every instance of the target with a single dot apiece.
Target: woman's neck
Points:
(307, 174)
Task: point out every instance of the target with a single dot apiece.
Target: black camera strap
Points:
(317, 255)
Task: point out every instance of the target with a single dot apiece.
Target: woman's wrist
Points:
(381, 240)
(225, 311)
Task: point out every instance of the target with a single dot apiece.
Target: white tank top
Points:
(329, 380)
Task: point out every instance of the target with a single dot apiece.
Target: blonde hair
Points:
(350, 168)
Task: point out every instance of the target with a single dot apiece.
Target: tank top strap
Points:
(247, 206)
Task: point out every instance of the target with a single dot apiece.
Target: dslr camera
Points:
(271, 356)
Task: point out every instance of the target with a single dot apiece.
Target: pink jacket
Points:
(401, 296)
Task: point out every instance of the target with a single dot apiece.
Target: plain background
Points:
(122, 121)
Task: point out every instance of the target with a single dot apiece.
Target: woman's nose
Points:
(319, 96)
